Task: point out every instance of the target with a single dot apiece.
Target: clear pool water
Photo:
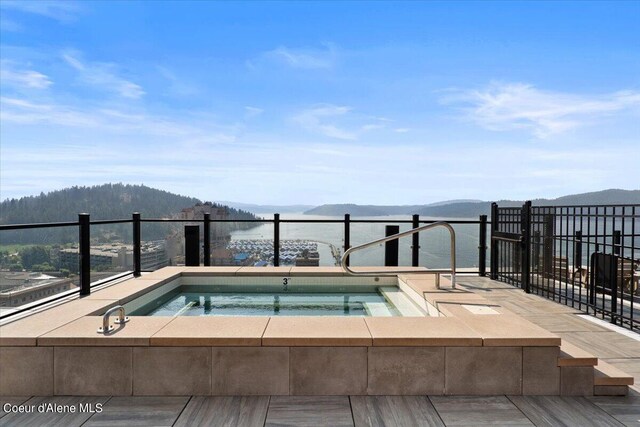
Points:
(269, 304)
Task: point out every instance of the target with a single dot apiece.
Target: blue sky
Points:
(377, 103)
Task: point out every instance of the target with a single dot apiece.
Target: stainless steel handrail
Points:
(106, 328)
(448, 226)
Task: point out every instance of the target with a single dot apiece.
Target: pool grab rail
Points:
(444, 224)
(106, 327)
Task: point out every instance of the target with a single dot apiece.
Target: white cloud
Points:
(63, 11)
(177, 86)
(24, 112)
(21, 111)
(509, 106)
(340, 122)
(371, 127)
(252, 111)
(304, 58)
(25, 78)
(401, 130)
(103, 76)
(317, 120)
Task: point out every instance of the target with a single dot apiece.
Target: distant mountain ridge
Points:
(473, 208)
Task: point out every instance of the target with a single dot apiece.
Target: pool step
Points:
(400, 301)
(377, 309)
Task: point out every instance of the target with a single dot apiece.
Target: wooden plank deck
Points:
(379, 411)
(224, 411)
(52, 418)
(563, 411)
(479, 411)
(139, 411)
(330, 411)
(309, 411)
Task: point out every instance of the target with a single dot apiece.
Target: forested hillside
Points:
(108, 201)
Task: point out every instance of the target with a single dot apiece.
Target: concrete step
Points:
(608, 375)
(571, 355)
(610, 390)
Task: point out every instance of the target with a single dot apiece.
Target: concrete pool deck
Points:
(477, 346)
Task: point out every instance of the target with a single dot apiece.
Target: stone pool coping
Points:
(74, 323)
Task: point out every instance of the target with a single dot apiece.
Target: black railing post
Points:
(347, 233)
(415, 246)
(137, 246)
(525, 222)
(494, 244)
(391, 247)
(192, 245)
(276, 240)
(207, 240)
(536, 251)
(482, 246)
(577, 252)
(547, 249)
(84, 256)
(616, 242)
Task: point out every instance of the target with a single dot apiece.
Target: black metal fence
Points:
(586, 257)
(136, 222)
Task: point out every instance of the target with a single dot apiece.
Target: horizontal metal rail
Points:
(446, 225)
(506, 239)
(110, 221)
(37, 225)
(266, 220)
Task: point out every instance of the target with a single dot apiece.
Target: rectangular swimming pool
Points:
(270, 304)
(269, 296)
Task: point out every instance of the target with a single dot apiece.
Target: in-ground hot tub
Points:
(280, 296)
(279, 331)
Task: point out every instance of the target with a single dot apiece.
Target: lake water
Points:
(434, 243)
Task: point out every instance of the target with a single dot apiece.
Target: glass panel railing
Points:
(34, 265)
(435, 247)
(363, 233)
(243, 243)
(111, 250)
(161, 244)
(311, 244)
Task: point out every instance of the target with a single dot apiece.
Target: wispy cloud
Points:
(103, 76)
(177, 86)
(250, 112)
(25, 112)
(15, 110)
(304, 58)
(509, 106)
(63, 11)
(319, 119)
(336, 121)
(9, 74)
